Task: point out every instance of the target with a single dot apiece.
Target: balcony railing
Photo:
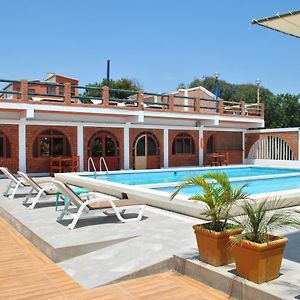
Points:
(67, 94)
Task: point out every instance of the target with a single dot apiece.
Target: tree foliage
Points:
(120, 84)
(280, 110)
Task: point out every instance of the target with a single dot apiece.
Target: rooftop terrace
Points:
(42, 92)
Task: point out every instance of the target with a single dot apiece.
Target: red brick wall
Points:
(291, 138)
(42, 89)
(159, 135)
(41, 164)
(178, 160)
(118, 133)
(12, 132)
(221, 138)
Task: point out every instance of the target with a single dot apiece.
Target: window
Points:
(183, 143)
(4, 146)
(72, 91)
(141, 146)
(103, 144)
(151, 146)
(51, 143)
(61, 90)
(51, 90)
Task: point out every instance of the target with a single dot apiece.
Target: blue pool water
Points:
(158, 177)
(253, 186)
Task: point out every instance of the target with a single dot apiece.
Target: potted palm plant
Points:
(257, 252)
(218, 196)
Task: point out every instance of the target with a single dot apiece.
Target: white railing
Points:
(271, 147)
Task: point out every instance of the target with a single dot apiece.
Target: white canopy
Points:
(288, 23)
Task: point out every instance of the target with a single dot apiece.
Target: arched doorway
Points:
(48, 143)
(146, 152)
(210, 144)
(104, 144)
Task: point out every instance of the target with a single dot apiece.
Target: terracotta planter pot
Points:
(214, 247)
(258, 262)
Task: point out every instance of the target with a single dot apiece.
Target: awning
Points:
(288, 23)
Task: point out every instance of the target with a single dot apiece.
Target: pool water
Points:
(162, 177)
(257, 186)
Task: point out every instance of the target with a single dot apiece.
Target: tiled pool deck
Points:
(102, 251)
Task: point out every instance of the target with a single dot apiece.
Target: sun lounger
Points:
(42, 191)
(94, 202)
(15, 183)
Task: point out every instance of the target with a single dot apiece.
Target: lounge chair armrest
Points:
(90, 194)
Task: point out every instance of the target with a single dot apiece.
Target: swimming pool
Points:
(179, 175)
(257, 186)
(154, 187)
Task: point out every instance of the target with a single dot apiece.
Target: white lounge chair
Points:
(42, 191)
(103, 204)
(15, 183)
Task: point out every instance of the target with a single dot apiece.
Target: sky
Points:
(159, 43)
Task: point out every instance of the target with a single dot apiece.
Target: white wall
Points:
(269, 162)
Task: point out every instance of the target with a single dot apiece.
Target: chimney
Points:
(50, 74)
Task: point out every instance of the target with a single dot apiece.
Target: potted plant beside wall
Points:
(218, 196)
(257, 252)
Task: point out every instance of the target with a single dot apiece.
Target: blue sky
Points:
(159, 43)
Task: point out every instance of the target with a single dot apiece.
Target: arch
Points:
(271, 147)
(51, 142)
(183, 143)
(146, 151)
(210, 144)
(5, 148)
(104, 144)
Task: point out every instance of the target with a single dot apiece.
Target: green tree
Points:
(280, 110)
(120, 84)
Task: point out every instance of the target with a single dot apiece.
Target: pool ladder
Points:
(101, 162)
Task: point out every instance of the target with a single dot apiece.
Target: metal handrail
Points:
(90, 161)
(102, 159)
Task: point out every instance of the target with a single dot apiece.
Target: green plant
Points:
(260, 220)
(218, 196)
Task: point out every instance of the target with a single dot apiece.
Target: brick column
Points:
(105, 96)
(221, 107)
(171, 102)
(68, 93)
(243, 108)
(140, 98)
(262, 110)
(24, 90)
(197, 104)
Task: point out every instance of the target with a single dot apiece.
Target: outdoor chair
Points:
(15, 183)
(108, 205)
(42, 191)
